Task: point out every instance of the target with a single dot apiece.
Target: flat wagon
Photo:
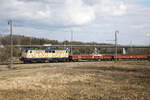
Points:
(85, 57)
(131, 57)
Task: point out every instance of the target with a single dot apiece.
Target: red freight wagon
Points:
(85, 57)
(107, 57)
(142, 57)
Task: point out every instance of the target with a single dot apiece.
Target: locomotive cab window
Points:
(46, 51)
(26, 51)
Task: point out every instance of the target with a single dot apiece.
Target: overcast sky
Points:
(90, 20)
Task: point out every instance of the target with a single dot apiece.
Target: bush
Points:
(4, 54)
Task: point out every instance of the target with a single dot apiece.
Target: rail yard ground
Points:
(125, 80)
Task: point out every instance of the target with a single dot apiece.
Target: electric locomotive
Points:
(44, 55)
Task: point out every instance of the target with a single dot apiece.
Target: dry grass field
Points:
(129, 80)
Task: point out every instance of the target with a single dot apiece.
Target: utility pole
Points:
(30, 41)
(71, 41)
(148, 35)
(116, 47)
(11, 45)
(131, 47)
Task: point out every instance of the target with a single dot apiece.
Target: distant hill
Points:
(26, 40)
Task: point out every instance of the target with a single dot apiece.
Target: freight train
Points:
(54, 55)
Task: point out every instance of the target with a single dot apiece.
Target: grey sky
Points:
(91, 20)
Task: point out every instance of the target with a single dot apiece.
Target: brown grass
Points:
(77, 81)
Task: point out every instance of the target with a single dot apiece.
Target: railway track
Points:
(21, 63)
(13, 63)
(19, 66)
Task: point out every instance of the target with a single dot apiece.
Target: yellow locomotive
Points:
(44, 55)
